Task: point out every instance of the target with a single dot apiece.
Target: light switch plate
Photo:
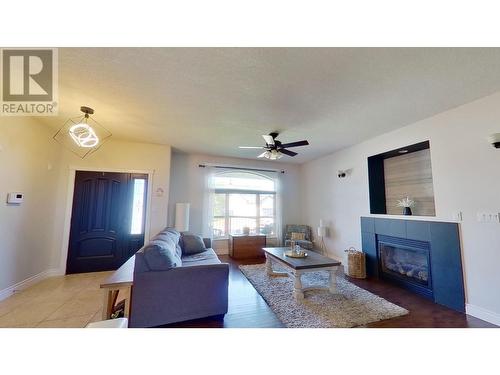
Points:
(488, 217)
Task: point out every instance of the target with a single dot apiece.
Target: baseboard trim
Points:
(26, 283)
(481, 313)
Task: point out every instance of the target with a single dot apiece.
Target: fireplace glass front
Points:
(408, 262)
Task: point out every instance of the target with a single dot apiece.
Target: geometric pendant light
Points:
(82, 135)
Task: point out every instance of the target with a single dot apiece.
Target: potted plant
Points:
(406, 204)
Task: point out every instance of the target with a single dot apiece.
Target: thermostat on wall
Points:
(15, 198)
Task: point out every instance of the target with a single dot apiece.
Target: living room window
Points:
(243, 199)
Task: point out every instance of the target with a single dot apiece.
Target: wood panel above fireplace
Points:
(401, 173)
(410, 175)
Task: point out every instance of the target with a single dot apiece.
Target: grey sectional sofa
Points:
(173, 286)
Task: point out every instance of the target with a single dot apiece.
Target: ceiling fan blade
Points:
(269, 139)
(252, 147)
(287, 152)
(262, 155)
(295, 144)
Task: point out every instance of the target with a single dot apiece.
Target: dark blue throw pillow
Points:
(192, 244)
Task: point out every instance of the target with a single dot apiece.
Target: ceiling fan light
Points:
(275, 155)
(275, 149)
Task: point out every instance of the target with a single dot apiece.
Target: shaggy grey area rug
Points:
(351, 307)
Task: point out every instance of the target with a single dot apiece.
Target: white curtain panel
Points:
(277, 178)
(278, 181)
(208, 201)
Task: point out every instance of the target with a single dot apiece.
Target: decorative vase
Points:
(246, 231)
(407, 211)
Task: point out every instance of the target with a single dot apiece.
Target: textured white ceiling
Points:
(210, 100)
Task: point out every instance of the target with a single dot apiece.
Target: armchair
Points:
(306, 243)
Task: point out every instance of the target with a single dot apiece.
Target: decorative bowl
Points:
(293, 254)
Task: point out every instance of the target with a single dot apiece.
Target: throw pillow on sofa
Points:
(172, 236)
(192, 244)
(161, 256)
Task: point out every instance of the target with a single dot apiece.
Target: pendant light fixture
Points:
(82, 135)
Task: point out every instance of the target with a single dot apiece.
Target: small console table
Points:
(121, 279)
(246, 246)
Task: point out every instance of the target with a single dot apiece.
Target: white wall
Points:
(113, 155)
(28, 159)
(187, 184)
(466, 173)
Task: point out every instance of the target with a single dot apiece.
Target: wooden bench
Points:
(121, 280)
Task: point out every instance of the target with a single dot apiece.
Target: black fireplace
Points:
(420, 255)
(406, 262)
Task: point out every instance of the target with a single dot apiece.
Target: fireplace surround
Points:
(421, 256)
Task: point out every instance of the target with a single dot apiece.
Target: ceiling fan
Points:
(275, 149)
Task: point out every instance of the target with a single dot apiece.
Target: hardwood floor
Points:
(247, 309)
(423, 312)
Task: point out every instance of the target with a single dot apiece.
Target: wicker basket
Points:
(356, 266)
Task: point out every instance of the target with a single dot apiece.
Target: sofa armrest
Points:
(207, 242)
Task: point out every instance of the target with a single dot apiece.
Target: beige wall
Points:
(466, 178)
(28, 164)
(34, 235)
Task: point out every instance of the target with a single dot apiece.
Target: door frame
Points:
(69, 205)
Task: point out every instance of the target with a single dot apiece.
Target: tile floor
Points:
(70, 301)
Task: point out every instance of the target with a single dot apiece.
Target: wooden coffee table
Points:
(299, 266)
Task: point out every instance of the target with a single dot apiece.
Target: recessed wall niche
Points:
(400, 173)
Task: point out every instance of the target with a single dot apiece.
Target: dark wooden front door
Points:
(107, 224)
